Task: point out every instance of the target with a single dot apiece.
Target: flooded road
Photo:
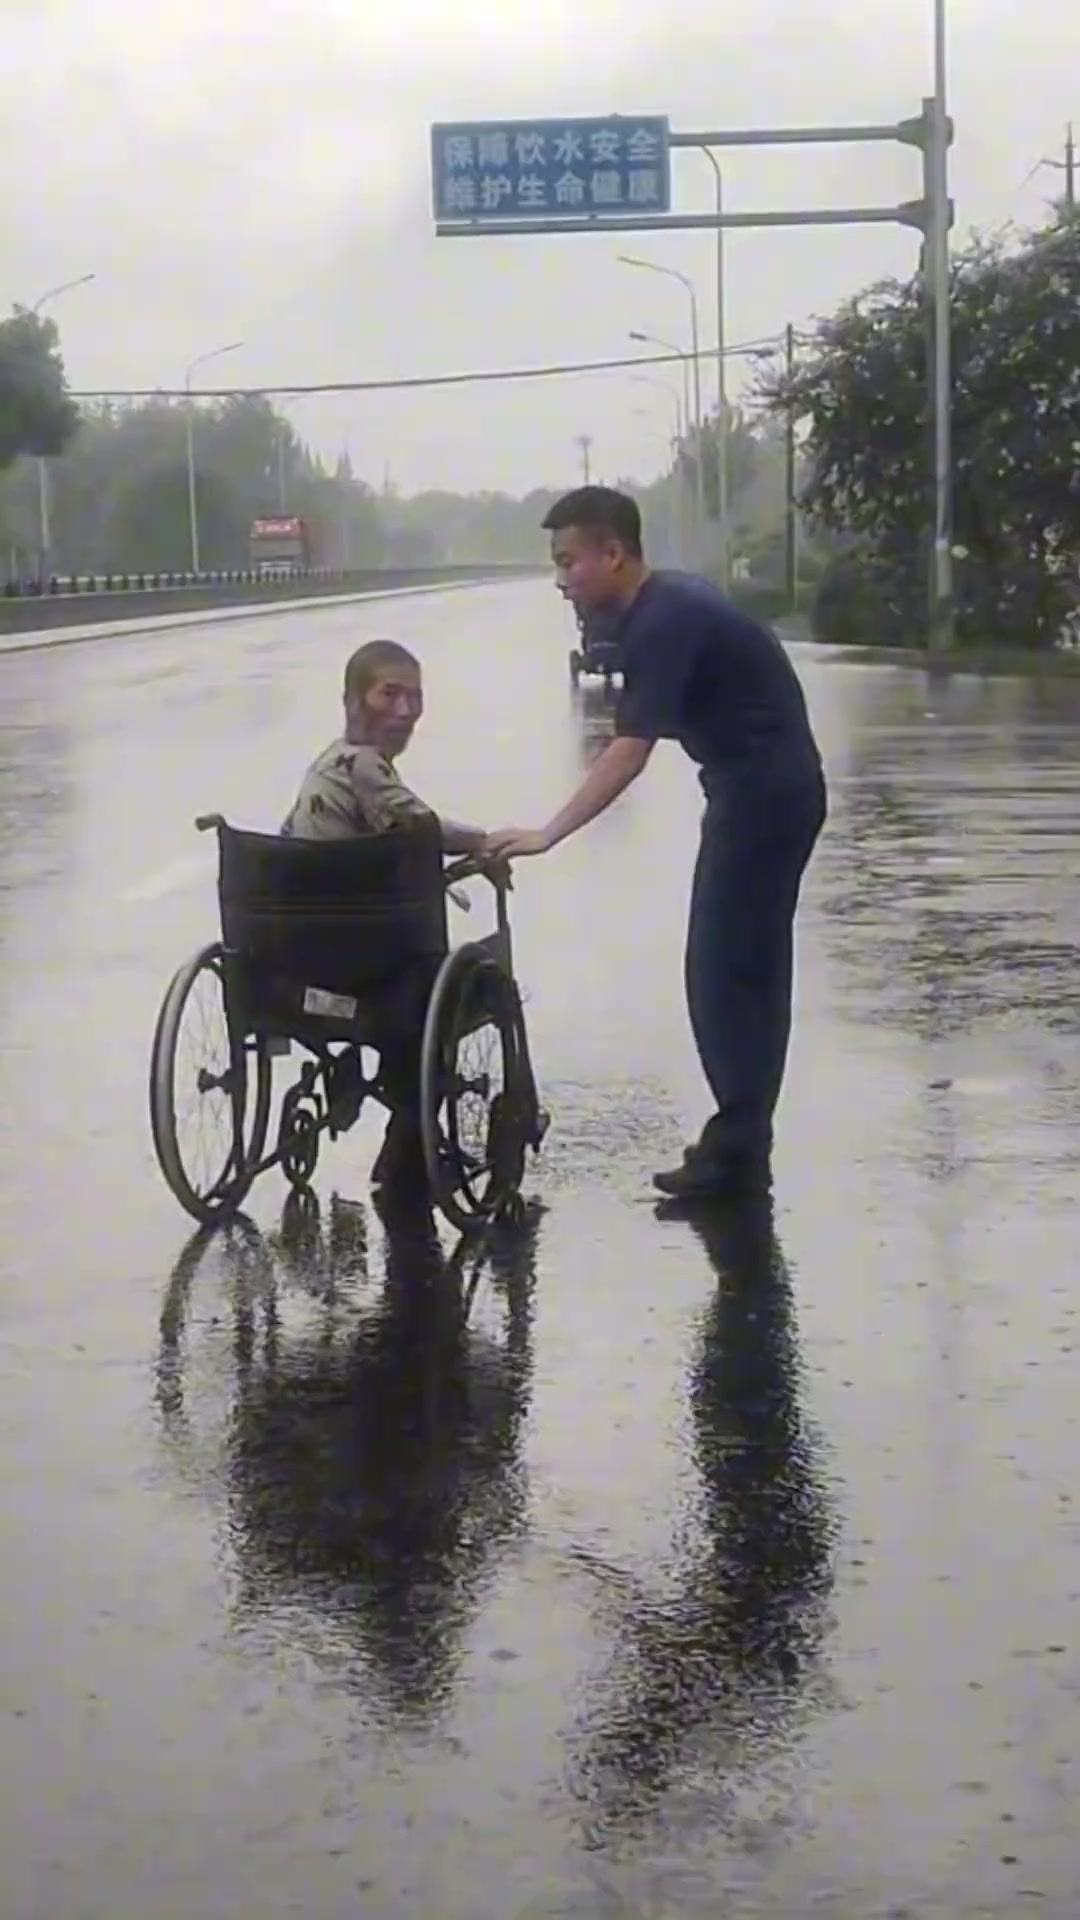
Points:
(629, 1567)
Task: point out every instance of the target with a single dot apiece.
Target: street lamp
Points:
(669, 346)
(44, 529)
(664, 386)
(721, 381)
(66, 286)
(193, 507)
(672, 273)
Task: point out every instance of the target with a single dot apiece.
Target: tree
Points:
(150, 526)
(37, 415)
(1016, 438)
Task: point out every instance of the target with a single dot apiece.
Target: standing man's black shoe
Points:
(707, 1177)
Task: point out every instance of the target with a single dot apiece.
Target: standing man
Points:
(698, 671)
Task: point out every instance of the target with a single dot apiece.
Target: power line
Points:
(414, 381)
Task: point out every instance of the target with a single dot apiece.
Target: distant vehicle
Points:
(282, 546)
(600, 652)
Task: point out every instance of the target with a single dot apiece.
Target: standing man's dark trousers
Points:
(757, 837)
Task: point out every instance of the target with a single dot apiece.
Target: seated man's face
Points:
(385, 715)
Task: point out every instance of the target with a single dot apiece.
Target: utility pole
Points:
(1068, 168)
(282, 476)
(584, 441)
(791, 523)
(938, 135)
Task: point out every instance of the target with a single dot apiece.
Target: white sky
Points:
(259, 169)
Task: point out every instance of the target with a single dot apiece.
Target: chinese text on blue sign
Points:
(551, 169)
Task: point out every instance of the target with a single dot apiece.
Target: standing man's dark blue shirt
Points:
(698, 671)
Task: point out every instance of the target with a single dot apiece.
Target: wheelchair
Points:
(316, 940)
(600, 651)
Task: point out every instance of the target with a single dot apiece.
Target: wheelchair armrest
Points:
(496, 872)
(209, 822)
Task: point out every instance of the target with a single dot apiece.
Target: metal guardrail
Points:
(70, 586)
(153, 582)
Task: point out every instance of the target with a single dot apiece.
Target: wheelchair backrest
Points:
(345, 915)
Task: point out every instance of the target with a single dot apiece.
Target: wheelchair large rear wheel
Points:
(474, 1090)
(209, 1093)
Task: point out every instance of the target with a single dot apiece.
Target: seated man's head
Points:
(384, 697)
(596, 547)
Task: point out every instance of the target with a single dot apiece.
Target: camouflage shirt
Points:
(351, 790)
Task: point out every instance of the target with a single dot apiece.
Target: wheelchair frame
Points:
(473, 989)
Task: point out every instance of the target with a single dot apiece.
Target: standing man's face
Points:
(588, 570)
(385, 715)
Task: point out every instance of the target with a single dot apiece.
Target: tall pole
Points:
(670, 346)
(672, 273)
(791, 524)
(585, 443)
(1070, 171)
(44, 527)
(44, 521)
(193, 505)
(193, 500)
(677, 479)
(681, 487)
(722, 503)
(699, 447)
(283, 492)
(943, 619)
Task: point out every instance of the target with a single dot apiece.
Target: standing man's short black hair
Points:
(602, 512)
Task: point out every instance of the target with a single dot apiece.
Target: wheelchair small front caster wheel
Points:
(299, 1145)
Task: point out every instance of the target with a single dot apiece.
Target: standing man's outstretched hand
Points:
(515, 843)
(621, 761)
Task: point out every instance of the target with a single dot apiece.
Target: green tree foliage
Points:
(862, 388)
(36, 414)
(120, 495)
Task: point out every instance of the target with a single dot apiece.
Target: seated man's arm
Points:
(461, 839)
(387, 802)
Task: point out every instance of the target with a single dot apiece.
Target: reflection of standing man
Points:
(723, 1672)
(698, 671)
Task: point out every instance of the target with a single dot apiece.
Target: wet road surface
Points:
(624, 1568)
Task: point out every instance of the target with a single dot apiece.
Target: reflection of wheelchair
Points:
(600, 653)
(362, 1408)
(317, 939)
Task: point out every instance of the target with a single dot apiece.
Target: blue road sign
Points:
(550, 169)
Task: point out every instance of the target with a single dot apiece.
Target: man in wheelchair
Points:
(354, 788)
